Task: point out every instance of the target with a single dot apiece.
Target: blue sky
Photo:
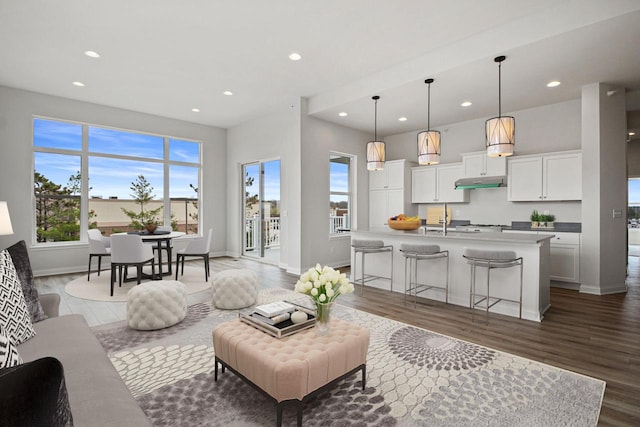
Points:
(271, 179)
(112, 177)
(634, 192)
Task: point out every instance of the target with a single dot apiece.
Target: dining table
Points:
(160, 238)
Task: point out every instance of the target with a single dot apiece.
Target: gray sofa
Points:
(97, 394)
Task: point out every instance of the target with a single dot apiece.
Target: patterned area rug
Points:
(414, 378)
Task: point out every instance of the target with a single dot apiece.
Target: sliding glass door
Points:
(261, 202)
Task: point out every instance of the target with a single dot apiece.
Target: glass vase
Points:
(323, 317)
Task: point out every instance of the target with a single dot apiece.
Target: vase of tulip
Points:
(323, 285)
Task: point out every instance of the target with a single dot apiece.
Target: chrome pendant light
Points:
(500, 131)
(375, 148)
(429, 140)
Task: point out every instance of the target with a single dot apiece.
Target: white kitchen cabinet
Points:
(436, 184)
(479, 164)
(565, 257)
(547, 177)
(390, 193)
(564, 254)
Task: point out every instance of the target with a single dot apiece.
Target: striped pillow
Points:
(14, 315)
(8, 352)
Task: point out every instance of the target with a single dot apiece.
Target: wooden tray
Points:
(282, 329)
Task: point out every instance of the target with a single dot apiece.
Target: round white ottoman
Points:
(234, 289)
(156, 305)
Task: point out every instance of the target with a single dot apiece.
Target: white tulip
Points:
(330, 293)
(314, 292)
(322, 298)
(317, 284)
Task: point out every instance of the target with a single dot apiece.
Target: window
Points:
(123, 178)
(339, 193)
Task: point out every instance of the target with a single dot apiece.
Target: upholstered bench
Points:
(292, 369)
(156, 305)
(233, 289)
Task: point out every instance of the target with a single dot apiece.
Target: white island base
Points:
(534, 250)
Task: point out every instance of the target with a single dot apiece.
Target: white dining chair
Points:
(197, 247)
(99, 246)
(128, 250)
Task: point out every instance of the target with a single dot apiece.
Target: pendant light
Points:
(375, 148)
(500, 131)
(429, 140)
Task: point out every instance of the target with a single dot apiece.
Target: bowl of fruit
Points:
(403, 222)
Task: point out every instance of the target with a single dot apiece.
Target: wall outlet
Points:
(617, 213)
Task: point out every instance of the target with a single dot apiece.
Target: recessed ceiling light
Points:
(343, 114)
(466, 104)
(295, 56)
(402, 119)
(227, 92)
(92, 54)
(631, 133)
(79, 84)
(195, 110)
(553, 83)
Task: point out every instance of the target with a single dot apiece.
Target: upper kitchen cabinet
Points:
(436, 184)
(546, 177)
(390, 193)
(479, 164)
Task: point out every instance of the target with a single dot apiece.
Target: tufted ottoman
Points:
(294, 368)
(234, 289)
(156, 305)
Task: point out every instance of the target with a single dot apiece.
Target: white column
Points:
(604, 190)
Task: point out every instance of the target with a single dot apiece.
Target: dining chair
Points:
(197, 247)
(128, 250)
(98, 246)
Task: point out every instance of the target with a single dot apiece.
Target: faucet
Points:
(444, 221)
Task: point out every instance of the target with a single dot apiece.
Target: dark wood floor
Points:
(598, 336)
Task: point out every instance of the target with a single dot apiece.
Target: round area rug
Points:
(98, 287)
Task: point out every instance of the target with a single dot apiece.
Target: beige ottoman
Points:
(156, 305)
(234, 289)
(294, 368)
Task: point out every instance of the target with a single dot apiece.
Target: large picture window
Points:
(88, 176)
(339, 193)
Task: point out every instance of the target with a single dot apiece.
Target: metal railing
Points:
(337, 224)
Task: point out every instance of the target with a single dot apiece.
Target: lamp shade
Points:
(375, 155)
(5, 220)
(429, 147)
(500, 133)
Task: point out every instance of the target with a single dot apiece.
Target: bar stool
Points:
(417, 252)
(365, 247)
(490, 259)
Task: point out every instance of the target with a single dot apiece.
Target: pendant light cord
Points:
(375, 121)
(429, 107)
(500, 89)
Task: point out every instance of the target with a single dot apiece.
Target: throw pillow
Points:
(20, 258)
(14, 316)
(8, 352)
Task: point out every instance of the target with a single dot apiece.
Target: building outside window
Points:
(340, 193)
(88, 176)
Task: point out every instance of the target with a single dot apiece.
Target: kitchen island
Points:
(533, 248)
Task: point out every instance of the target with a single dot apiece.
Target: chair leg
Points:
(113, 276)
(177, 265)
(99, 264)
(204, 261)
(139, 273)
(89, 269)
(120, 275)
(169, 257)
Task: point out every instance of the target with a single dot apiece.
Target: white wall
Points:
(303, 144)
(544, 129)
(319, 138)
(274, 136)
(17, 108)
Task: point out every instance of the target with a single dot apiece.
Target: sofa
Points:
(97, 395)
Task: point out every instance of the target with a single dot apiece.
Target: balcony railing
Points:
(337, 224)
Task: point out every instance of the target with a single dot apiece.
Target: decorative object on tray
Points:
(288, 319)
(403, 222)
(151, 227)
(323, 285)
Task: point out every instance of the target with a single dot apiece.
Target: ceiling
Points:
(165, 57)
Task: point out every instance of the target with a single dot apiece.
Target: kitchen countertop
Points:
(459, 235)
(559, 227)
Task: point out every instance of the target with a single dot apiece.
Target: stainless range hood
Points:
(481, 182)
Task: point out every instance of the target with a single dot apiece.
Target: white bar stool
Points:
(417, 252)
(365, 247)
(490, 259)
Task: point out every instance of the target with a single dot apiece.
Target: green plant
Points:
(535, 216)
(548, 218)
